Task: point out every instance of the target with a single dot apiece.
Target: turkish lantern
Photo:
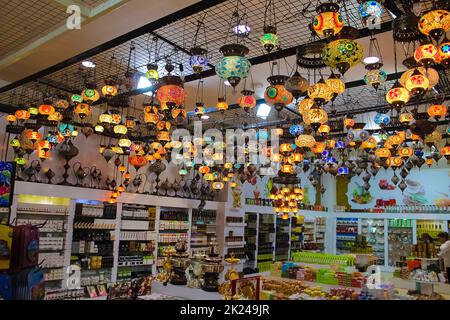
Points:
(397, 96)
(328, 21)
(437, 111)
(427, 54)
(247, 101)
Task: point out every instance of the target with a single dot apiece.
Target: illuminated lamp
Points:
(370, 8)
(151, 118)
(112, 200)
(276, 157)
(247, 101)
(122, 169)
(342, 54)
(218, 185)
(320, 92)
(225, 179)
(183, 171)
(33, 135)
(315, 117)
(209, 177)
(124, 143)
(431, 74)
(296, 158)
(199, 59)
(278, 132)
(417, 83)
(171, 92)
(287, 168)
(382, 119)
(405, 152)
(370, 143)
(330, 143)
(137, 161)
(382, 153)
(204, 169)
(276, 94)
(163, 136)
(394, 162)
(349, 123)
(222, 105)
(445, 151)
(109, 90)
(116, 118)
(343, 171)
(429, 161)
(42, 154)
(152, 73)
(427, 54)
(397, 96)
(83, 110)
(336, 85)
(76, 98)
(297, 85)
(233, 185)
(285, 148)
(328, 21)
(22, 115)
(21, 161)
(270, 39)
(199, 109)
(130, 122)
(62, 103)
(15, 143)
(324, 129)
(437, 111)
(55, 117)
(105, 118)
(46, 109)
(120, 129)
(375, 77)
(296, 129)
(120, 189)
(11, 118)
(90, 95)
(33, 111)
(444, 53)
(44, 145)
(406, 118)
(305, 141)
(234, 66)
(435, 23)
(99, 128)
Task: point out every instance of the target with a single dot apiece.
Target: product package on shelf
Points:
(346, 234)
(297, 222)
(50, 216)
(250, 238)
(400, 240)
(282, 240)
(373, 231)
(203, 231)
(266, 241)
(93, 242)
(137, 242)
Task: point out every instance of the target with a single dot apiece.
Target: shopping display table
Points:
(184, 292)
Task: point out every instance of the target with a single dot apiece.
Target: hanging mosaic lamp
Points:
(82, 110)
(336, 85)
(370, 9)
(315, 117)
(304, 105)
(276, 94)
(382, 119)
(234, 66)
(375, 77)
(342, 54)
(247, 101)
(270, 39)
(417, 83)
(444, 52)
(62, 103)
(427, 54)
(320, 92)
(437, 111)
(297, 85)
(109, 90)
(431, 74)
(90, 94)
(435, 23)
(199, 59)
(222, 105)
(170, 92)
(152, 73)
(397, 96)
(46, 109)
(76, 98)
(328, 21)
(305, 141)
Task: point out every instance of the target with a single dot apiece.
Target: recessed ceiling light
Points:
(144, 83)
(242, 30)
(88, 64)
(263, 111)
(227, 83)
(370, 60)
(205, 117)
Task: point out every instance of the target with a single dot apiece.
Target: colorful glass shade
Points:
(152, 74)
(287, 168)
(62, 104)
(437, 110)
(370, 143)
(370, 8)
(296, 129)
(435, 23)
(105, 118)
(327, 24)
(14, 143)
(375, 78)
(163, 136)
(324, 129)
(405, 152)
(109, 90)
(222, 105)
(431, 74)
(76, 98)
(349, 122)
(218, 185)
(55, 116)
(320, 92)
(277, 95)
(151, 118)
(285, 148)
(233, 69)
(247, 102)
(90, 95)
(417, 83)
(124, 143)
(394, 162)
(318, 147)
(44, 145)
(22, 114)
(179, 113)
(315, 117)
(427, 54)
(99, 128)
(199, 111)
(46, 109)
(444, 53)
(382, 119)
(305, 141)
(445, 151)
(358, 135)
(32, 135)
(336, 85)
(11, 118)
(342, 54)
(83, 110)
(397, 96)
(198, 60)
(120, 129)
(297, 85)
(382, 153)
(304, 105)
(171, 95)
(406, 118)
(269, 40)
(137, 161)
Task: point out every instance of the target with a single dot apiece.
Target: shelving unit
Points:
(251, 239)
(346, 234)
(51, 216)
(174, 225)
(374, 231)
(93, 241)
(203, 231)
(296, 233)
(137, 241)
(400, 237)
(266, 241)
(282, 239)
